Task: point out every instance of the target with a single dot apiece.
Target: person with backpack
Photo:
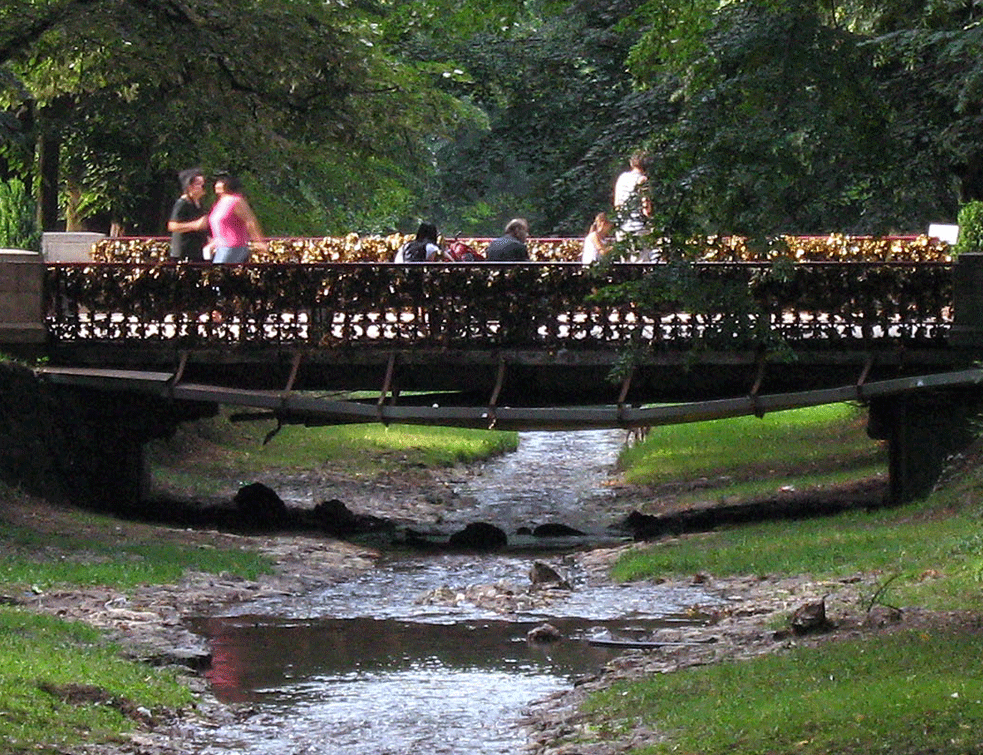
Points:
(423, 248)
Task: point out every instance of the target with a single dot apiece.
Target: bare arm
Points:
(245, 212)
(187, 226)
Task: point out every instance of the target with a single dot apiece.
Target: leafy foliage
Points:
(136, 90)
(761, 117)
(18, 229)
(547, 88)
(970, 228)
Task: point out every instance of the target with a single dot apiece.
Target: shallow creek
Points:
(368, 666)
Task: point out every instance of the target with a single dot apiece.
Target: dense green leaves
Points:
(297, 93)
(760, 116)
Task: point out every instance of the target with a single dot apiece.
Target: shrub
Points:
(18, 224)
(970, 228)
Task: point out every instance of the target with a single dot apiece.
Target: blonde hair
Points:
(600, 222)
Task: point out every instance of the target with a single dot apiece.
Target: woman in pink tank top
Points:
(232, 223)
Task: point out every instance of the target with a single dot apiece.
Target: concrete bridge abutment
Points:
(81, 445)
(923, 430)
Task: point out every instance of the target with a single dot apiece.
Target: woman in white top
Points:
(595, 243)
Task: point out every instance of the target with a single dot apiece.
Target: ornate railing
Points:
(480, 306)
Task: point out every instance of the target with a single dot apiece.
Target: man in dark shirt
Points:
(188, 218)
(512, 246)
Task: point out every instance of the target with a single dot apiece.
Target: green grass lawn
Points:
(914, 692)
(799, 443)
(61, 683)
(902, 694)
(364, 449)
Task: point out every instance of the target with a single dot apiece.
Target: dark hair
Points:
(427, 232)
(185, 177)
(232, 184)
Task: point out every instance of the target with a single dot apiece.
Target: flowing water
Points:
(369, 666)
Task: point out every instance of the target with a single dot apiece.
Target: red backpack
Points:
(462, 252)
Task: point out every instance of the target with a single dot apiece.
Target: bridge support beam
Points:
(923, 430)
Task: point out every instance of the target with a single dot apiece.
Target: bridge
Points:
(540, 345)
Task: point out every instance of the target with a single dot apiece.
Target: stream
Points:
(379, 665)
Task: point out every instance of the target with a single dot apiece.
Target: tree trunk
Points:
(49, 148)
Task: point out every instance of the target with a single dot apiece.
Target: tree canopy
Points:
(759, 116)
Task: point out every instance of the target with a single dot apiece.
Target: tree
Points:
(299, 94)
(547, 85)
(796, 116)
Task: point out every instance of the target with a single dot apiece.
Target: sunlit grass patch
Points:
(43, 656)
(906, 693)
(817, 438)
(359, 448)
(728, 492)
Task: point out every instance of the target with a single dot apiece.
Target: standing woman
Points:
(595, 243)
(232, 223)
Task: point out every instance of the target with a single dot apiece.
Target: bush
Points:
(970, 228)
(18, 223)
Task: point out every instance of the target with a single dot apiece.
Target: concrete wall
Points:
(69, 246)
(923, 429)
(21, 287)
(81, 445)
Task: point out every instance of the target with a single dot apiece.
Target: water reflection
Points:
(255, 659)
(366, 667)
(379, 686)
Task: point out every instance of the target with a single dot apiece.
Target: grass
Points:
(826, 547)
(61, 683)
(45, 560)
(361, 449)
(909, 692)
(851, 697)
(796, 443)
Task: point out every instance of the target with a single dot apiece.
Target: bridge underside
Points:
(519, 378)
(919, 404)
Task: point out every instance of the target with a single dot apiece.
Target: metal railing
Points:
(558, 305)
